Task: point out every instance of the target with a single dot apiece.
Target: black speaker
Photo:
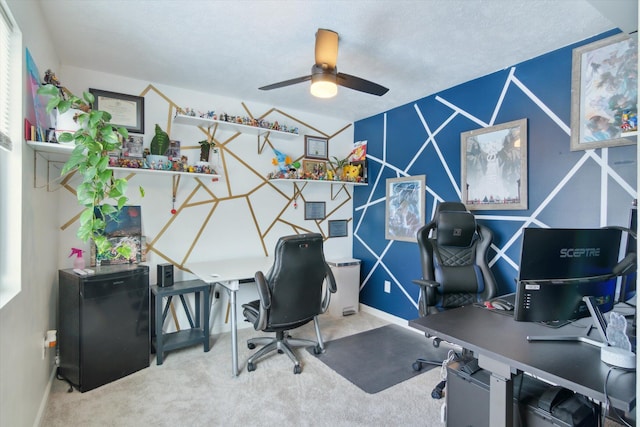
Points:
(165, 275)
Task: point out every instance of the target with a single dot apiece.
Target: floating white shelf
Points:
(54, 152)
(207, 123)
(317, 181)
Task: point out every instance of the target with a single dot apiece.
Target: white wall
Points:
(249, 217)
(24, 373)
(247, 214)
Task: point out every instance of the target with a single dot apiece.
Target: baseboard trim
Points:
(45, 399)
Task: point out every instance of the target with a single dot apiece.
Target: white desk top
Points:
(229, 272)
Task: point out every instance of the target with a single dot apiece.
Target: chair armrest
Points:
(263, 290)
(426, 283)
(331, 279)
(427, 296)
(329, 289)
(265, 300)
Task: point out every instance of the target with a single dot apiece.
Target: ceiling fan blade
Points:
(326, 47)
(286, 83)
(362, 85)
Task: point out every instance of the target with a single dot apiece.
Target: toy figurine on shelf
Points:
(285, 165)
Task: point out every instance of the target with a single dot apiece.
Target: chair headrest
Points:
(449, 207)
(456, 228)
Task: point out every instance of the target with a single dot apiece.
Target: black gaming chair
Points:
(292, 294)
(453, 255)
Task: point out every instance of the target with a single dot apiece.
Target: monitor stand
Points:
(598, 321)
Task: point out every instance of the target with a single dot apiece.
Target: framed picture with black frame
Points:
(126, 110)
(338, 228)
(316, 147)
(314, 210)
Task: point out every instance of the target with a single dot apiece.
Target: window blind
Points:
(6, 46)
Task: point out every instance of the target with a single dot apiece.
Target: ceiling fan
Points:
(324, 73)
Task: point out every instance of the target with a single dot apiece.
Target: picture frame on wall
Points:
(405, 207)
(338, 228)
(126, 110)
(314, 168)
(604, 97)
(316, 147)
(314, 210)
(494, 167)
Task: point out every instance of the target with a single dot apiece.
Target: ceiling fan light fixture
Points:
(323, 86)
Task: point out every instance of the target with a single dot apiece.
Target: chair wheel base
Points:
(436, 342)
(297, 369)
(251, 346)
(317, 350)
(251, 367)
(417, 366)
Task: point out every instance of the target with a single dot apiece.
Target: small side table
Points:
(199, 331)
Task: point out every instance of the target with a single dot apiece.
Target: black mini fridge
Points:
(103, 324)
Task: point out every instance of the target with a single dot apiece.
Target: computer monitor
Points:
(560, 266)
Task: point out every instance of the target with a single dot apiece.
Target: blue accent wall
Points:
(566, 188)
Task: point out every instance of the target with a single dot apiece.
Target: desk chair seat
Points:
(292, 293)
(455, 270)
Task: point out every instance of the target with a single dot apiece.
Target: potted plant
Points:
(205, 148)
(158, 149)
(93, 140)
(338, 166)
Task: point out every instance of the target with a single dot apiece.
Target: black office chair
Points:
(455, 270)
(292, 293)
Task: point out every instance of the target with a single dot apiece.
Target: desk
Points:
(228, 273)
(500, 344)
(199, 331)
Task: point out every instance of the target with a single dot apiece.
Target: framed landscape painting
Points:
(604, 93)
(405, 208)
(494, 167)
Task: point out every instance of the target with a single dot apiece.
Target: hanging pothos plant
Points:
(89, 158)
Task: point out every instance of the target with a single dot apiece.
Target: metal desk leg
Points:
(206, 308)
(500, 392)
(159, 322)
(234, 333)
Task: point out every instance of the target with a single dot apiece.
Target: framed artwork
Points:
(314, 167)
(494, 167)
(122, 228)
(405, 207)
(126, 110)
(338, 228)
(604, 93)
(314, 210)
(316, 147)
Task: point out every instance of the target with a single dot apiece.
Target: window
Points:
(10, 156)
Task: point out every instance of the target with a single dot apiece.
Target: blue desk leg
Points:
(500, 392)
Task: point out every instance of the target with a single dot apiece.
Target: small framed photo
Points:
(316, 147)
(132, 147)
(126, 110)
(314, 210)
(314, 168)
(338, 228)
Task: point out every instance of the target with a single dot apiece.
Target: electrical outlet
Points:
(387, 286)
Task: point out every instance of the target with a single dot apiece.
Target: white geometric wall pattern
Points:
(590, 188)
(243, 212)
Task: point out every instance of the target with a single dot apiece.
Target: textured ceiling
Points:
(230, 48)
